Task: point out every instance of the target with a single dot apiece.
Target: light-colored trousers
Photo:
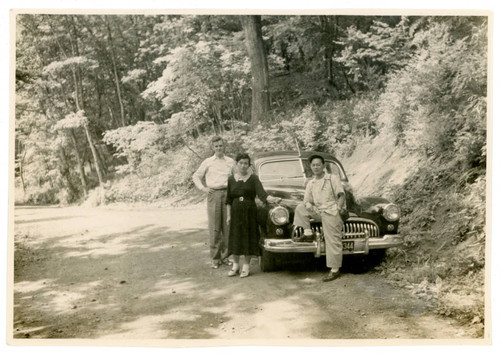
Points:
(332, 229)
(218, 229)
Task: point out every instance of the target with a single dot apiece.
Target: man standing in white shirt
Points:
(211, 178)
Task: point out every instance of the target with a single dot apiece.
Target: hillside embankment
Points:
(443, 258)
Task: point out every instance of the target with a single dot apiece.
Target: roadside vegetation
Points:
(113, 109)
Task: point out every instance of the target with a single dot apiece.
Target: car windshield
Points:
(290, 171)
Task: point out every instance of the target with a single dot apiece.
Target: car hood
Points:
(292, 195)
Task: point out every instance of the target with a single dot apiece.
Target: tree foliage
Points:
(152, 86)
(437, 103)
(369, 56)
(206, 80)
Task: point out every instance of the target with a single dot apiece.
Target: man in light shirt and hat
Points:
(323, 199)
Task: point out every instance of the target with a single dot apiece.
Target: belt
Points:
(244, 199)
(219, 189)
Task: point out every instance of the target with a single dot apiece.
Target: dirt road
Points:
(144, 274)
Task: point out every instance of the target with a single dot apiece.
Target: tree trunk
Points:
(21, 174)
(115, 123)
(78, 99)
(77, 75)
(328, 37)
(260, 78)
(73, 137)
(98, 169)
(328, 66)
(347, 81)
(115, 73)
(79, 163)
(20, 154)
(102, 161)
(66, 175)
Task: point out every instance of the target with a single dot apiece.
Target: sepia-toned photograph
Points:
(241, 178)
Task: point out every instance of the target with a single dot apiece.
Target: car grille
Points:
(356, 228)
(353, 229)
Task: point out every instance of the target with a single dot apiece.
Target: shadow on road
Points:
(147, 280)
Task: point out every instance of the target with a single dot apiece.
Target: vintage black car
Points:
(372, 225)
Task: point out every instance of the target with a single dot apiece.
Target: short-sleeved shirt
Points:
(215, 171)
(323, 194)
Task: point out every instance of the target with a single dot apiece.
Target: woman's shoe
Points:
(245, 271)
(233, 272)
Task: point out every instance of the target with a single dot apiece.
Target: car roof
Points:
(291, 153)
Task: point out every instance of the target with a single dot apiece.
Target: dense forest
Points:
(120, 108)
(103, 98)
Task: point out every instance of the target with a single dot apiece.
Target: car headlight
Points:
(279, 215)
(391, 212)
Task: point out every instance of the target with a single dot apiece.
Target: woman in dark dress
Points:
(242, 188)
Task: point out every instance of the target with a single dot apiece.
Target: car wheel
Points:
(267, 261)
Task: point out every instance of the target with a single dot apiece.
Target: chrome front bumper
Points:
(350, 245)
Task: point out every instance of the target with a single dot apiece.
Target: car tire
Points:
(267, 261)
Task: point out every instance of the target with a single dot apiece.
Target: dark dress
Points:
(243, 230)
